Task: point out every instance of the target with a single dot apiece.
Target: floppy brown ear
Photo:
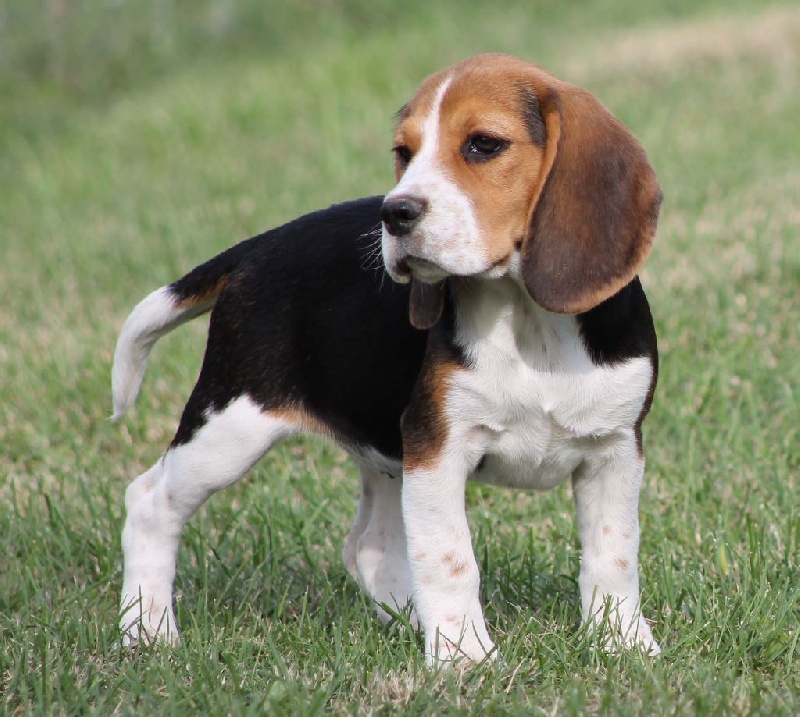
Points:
(595, 216)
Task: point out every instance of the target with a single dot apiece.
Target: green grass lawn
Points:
(139, 139)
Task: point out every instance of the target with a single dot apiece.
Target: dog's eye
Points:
(403, 155)
(480, 147)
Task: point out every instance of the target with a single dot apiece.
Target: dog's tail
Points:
(161, 312)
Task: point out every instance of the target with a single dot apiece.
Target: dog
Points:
(501, 335)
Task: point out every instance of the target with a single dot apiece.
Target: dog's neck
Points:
(499, 313)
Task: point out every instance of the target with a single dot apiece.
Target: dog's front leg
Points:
(444, 571)
(606, 489)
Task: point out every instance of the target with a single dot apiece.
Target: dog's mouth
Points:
(425, 271)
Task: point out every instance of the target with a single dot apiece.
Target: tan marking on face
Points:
(484, 100)
(409, 130)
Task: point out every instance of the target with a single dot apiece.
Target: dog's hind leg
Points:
(377, 547)
(350, 551)
(164, 498)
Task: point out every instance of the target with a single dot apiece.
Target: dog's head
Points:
(503, 168)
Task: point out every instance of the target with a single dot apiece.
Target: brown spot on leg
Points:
(457, 567)
(622, 564)
(606, 530)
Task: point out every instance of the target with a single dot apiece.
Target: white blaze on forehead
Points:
(425, 159)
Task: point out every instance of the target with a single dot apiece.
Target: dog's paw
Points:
(614, 639)
(467, 646)
(140, 626)
(641, 637)
(133, 635)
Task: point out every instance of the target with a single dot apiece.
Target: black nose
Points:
(400, 215)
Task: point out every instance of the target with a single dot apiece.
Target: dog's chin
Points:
(417, 269)
(434, 275)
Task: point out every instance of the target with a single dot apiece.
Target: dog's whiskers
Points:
(372, 259)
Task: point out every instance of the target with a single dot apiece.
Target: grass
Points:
(139, 139)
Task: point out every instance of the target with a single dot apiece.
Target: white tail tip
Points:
(154, 316)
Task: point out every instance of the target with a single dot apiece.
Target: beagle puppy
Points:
(511, 343)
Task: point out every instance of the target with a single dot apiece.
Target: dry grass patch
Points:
(772, 33)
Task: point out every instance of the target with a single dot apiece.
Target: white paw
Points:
(464, 644)
(640, 636)
(615, 636)
(155, 624)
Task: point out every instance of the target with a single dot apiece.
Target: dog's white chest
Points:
(535, 404)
